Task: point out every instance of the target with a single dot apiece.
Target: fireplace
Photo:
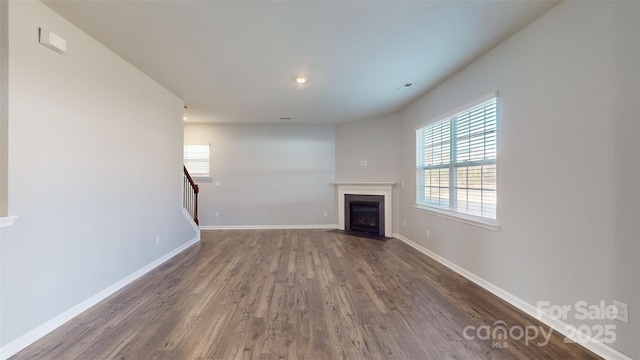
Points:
(364, 213)
(385, 201)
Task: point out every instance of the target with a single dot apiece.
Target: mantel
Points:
(367, 188)
(369, 183)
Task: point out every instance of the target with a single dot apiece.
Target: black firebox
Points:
(364, 213)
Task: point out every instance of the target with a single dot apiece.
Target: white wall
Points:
(4, 98)
(94, 172)
(568, 163)
(376, 140)
(271, 175)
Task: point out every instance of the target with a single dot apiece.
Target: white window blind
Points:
(456, 161)
(196, 159)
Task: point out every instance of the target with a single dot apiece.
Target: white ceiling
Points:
(235, 61)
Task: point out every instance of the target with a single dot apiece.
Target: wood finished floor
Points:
(295, 294)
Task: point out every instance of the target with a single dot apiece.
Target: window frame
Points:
(450, 211)
(195, 175)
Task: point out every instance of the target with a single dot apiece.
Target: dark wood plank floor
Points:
(296, 294)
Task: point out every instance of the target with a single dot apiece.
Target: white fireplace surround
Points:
(367, 188)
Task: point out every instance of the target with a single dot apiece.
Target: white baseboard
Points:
(269, 227)
(32, 336)
(596, 347)
(191, 222)
(7, 221)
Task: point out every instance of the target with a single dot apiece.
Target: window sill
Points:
(463, 218)
(7, 221)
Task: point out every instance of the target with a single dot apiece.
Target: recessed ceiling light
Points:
(184, 118)
(301, 79)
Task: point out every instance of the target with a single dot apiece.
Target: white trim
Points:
(369, 183)
(460, 217)
(7, 221)
(268, 227)
(448, 114)
(32, 336)
(191, 222)
(598, 348)
(367, 188)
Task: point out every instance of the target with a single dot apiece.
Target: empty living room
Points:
(319, 179)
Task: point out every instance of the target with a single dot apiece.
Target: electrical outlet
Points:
(157, 239)
(325, 214)
(217, 214)
(428, 233)
(622, 311)
(404, 222)
(218, 183)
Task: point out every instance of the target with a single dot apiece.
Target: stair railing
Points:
(190, 196)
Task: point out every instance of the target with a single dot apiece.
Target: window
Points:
(456, 163)
(196, 159)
